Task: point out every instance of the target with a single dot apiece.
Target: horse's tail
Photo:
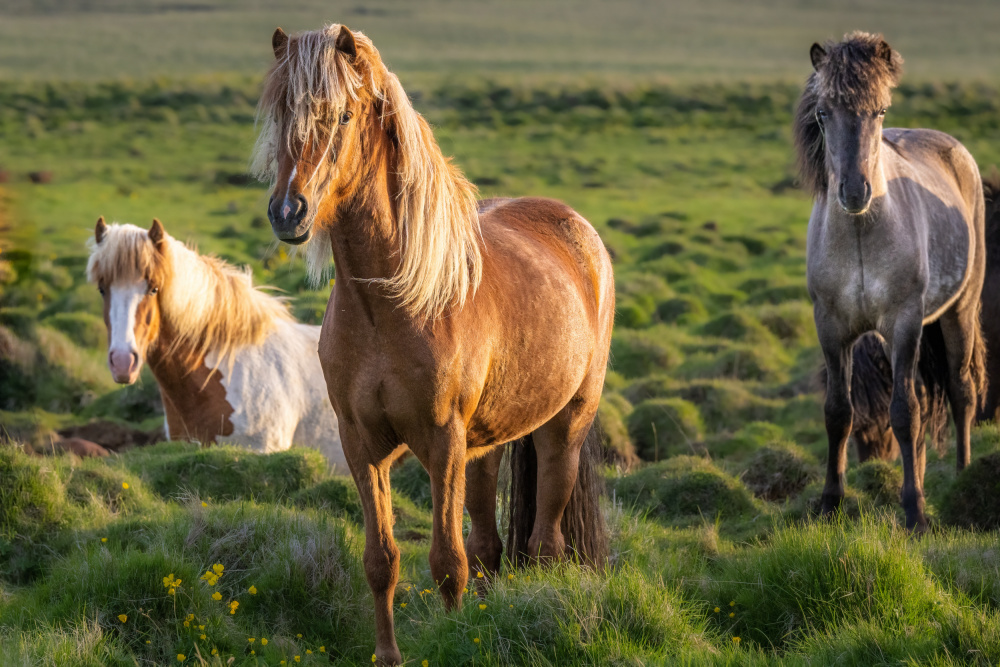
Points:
(871, 392)
(990, 310)
(582, 523)
(932, 369)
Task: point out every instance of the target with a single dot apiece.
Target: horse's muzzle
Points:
(855, 200)
(290, 219)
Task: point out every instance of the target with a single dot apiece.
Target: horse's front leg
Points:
(381, 556)
(904, 414)
(443, 454)
(838, 411)
(483, 547)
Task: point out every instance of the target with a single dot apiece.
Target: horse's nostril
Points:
(303, 205)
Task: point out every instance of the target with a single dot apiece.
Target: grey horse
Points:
(895, 241)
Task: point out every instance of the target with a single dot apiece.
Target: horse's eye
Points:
(881, 112)
(100, 289)
(820, 115)
(345, 117)
(153, 290)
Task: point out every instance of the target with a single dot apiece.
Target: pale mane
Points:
(438, 224)
(212, 306)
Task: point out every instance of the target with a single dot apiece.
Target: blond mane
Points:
(210, 305)
(440, 259)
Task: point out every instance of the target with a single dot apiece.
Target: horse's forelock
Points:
(125, 254)
(305, 91)
(859, 72)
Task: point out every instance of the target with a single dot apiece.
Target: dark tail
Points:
(582, 522)
(871, 393)
(990, 313)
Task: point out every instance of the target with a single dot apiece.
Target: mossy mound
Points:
(738, 325)
(779, 471)
(880, 481)
(227, 472)
(685, 487)
(660, 427)
(638, 353)
(32, 495)
(973, 501)
(338, 495)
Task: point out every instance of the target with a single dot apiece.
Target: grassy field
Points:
(713, 425)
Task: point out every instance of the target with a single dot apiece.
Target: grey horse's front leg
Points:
(904, 414)
(839, 415)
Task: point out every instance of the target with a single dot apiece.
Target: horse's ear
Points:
(345, 42)
(279, 42)
(100, 229)
(885, 51)
(156, 233)
(817, 54)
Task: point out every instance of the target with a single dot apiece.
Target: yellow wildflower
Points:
(479, 575)
(476, 640)
(512, 606)
(299, 635)
(736, 640)
(187, 624)
(204, 504)
(482, 607)
(322, 649)
(190, 617)
(215, 651)
(308, 652)
(716, 610)
(122, 617)
(202, 637)
(148, 642)
(232, 606)
(402, 605)
(201, 627)
(732, 603)
(424, 663)
(253, 590)
(181, 657)
(251, 639)
(124, 485)
(253, 652)
(732, 614)
(104, 539)
(216, 595)
(263, 641)
(510, 577)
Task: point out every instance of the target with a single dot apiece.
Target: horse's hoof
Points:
(389, 658)
(829, 504)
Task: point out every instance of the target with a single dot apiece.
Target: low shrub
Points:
(660, 427)
(779, 471)
(973, 501)
(685, 487)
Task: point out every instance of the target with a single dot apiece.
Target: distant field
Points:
(713, 39)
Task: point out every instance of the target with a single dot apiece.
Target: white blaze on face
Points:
(123, 350)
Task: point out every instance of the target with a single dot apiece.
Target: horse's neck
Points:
(177, 368)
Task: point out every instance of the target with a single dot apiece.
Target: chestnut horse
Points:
(895, 242)
(231, 363)
(452, 328)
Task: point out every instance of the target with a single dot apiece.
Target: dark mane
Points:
(857, 73)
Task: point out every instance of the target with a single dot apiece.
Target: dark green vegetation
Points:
(711, 383)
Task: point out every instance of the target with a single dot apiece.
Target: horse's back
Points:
(513, 226)
(936, 183)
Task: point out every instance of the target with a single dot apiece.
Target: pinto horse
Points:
(231, 363)
(895, 242)
(453, 327)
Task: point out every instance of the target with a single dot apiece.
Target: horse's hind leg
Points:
(904, 413)
(959, 327)
(557, 448)
(838, 411)
(483, 547)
